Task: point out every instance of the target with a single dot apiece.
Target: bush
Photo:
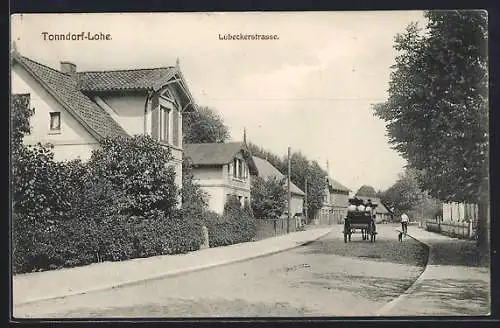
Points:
(119, 205)
(236, 225)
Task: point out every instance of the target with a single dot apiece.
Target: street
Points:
(323, 278)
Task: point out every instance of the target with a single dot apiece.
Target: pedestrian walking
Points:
(404, 222)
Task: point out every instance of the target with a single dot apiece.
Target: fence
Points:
(273, 228)
(464, 230)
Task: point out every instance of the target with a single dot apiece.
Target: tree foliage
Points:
(405, 196)
(367, 191)
(204, 126)
(139, 166)
(437, 110)
(269, 197)
(275, 160)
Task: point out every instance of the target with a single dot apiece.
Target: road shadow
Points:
(377, 289)
(467, 297)
(458, 252)
(408, 252)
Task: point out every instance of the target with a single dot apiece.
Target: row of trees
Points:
(437, 109)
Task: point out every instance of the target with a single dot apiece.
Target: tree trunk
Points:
(483, 229)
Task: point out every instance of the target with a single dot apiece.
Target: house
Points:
(336, 200)
(382, 213)
(222, 170)
(267, 170)
(75, 110)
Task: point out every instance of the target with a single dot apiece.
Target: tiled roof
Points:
(65, 90)
(136, 79)
(267, 170)
(212, 153)
(337, 186)
(215, 153)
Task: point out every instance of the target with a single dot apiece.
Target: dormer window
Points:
(55, 121)
(239, 169)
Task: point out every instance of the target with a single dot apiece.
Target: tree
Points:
(269, 197)
(204, 126)
(405, 196)
(316, 186)
(141, 168)
(20, 116)
(437, 110)
(367, 191)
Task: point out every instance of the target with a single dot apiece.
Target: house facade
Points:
(74, 110)
(336, 200)
(222, 170)
(267, 170)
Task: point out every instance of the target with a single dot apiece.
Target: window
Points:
(235, 168)
(55, 121)
(164, 121)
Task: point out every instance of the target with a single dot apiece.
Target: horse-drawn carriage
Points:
(360, 217)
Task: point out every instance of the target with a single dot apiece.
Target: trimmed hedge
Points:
(236, 225)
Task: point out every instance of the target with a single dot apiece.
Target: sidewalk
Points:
(452, 284)
(37, 286)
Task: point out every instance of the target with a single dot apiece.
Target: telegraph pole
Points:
(305, 201)
(289, 193)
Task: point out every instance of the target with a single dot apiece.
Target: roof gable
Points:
(267, 170)
(217, 154)
(65, 90)
(336, 186)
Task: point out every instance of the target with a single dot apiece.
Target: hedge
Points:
(236, 225)
(120, 205)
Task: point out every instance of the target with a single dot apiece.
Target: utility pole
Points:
(289, 193)
(305, 202)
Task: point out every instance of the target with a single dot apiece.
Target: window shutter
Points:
(155, 119)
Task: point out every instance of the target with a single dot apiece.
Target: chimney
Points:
(245, 136)
(68, 68)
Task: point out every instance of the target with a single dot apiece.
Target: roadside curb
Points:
(389, 306)
(174, 273)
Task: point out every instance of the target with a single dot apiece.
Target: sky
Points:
(311, 89)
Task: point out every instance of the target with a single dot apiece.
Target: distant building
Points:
(335, 202)
(222, 170)
(267, 170)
